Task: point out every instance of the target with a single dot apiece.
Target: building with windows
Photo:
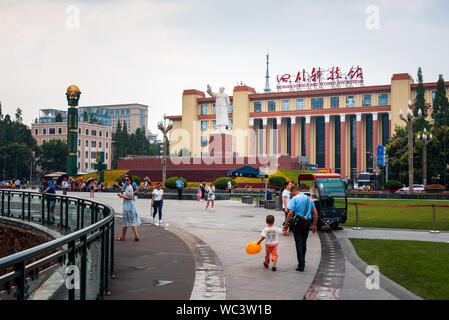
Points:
(135, 115)
(336, 128)
(92, 138)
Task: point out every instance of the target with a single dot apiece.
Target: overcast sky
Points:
(149, 51)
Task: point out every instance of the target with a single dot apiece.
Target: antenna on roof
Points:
(267, 76)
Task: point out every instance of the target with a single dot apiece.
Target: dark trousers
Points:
(301, 245)
(157, 206)
(179, 193)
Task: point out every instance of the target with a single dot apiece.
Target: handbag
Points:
(298, 222)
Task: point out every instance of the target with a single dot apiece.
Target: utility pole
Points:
(410, 120)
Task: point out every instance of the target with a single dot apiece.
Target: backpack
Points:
(298, 222)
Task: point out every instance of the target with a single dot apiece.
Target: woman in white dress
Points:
(210, 195)
(130, 216)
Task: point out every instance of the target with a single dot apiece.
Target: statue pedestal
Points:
(220, 145)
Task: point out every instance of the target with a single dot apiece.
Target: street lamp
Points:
(409, 121)
(424, 141)
(164, 128)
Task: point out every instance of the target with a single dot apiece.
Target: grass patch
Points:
(419, 266)
(401, 218)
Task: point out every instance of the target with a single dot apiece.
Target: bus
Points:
(333, 204)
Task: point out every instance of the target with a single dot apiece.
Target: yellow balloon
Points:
(253, 248)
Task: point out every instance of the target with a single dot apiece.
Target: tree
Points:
(53, 155)
(440, 104)
(420, 102)
(58, 117)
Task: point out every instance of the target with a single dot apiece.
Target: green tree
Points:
(440, 104)
(420, 105)
(58, 117)
(53, 155)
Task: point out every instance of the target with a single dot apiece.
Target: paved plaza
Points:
(211, 243)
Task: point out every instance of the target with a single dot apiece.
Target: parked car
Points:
(416, 188)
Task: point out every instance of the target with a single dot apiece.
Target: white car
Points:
(416, 188)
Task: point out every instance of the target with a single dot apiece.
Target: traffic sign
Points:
(380, 155)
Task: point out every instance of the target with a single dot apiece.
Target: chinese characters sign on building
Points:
(319, 78)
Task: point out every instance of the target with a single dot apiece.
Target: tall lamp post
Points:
(424, 141)
(164, 128)
(410, 120)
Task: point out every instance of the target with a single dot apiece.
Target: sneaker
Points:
(265, 265)
(300, 269)
(160, 223)
(273, 269)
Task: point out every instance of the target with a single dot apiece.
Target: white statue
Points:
(222, 104)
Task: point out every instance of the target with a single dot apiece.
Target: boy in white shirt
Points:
(271, 234)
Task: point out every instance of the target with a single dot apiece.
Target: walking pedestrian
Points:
(180, 186)
(92, 188)
(129, 212)
(210, 195)
(271, 234)
(48, 188)
(203, 190)
(65, 186)
(301, 208)
(157, 200)
(286, 200)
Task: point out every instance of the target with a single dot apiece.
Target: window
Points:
(106, 156)
(86, 166)
(366, 100)
(257, 106)
(36, 131)
(59, 130)
(299, 104)
(122, 111)
(100, 133)
(128, 111)
(335, 102)
(94, 133)
(87, 143)
(383, 99)
(79, 154)
(230, 108)
(213, 111)
(271, 106)
(93, 155)
(350, 101)
(99, 144)
(93, 144)
(107, 134)
(204, 141)
(214, 124)
(87, 132)
(204, 125)
(79, 130)
(229, 124)
(204, 109)
(79, 142)
(285, 105)
(317, 103)
(107, 145)
(51, 131)
(43, 141)
(86, 154)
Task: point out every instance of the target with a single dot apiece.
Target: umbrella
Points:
(248, 172)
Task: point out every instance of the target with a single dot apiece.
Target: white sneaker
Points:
(161, 224)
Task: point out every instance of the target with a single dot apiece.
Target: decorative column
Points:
(278, 124)
(359, 142)
(293, 135)
(73, 95)
(374, 141)
(326, 140)
(389, 126)
(308, 136)
(342, 146)
(264, 135)
(251, 138)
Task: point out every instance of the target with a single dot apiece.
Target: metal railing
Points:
(86, 249)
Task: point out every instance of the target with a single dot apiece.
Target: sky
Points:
(149, 51)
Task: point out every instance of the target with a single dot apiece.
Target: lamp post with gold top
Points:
(73, 95)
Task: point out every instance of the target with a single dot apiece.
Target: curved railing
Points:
(77, 265)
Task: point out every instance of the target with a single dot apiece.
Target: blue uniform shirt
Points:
(298, 204)
(179, 183)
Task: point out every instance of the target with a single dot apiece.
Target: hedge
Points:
(222, 183)
(170, 183)
(393, 185)
(277, 181)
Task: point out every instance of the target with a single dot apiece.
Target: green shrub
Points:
(137, 180)
(277, 181)
(170, 183)
(222, 183)
(393, 185)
